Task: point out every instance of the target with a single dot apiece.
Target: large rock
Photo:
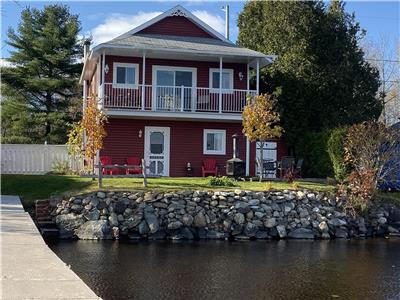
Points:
(93, 215)
(239, 218)
(68, 223)
(133, 221)
(250, 229)
(187, 220)
(270, 222)
(143, 228)
(119, 207)
(94, 230)
(175, 225)
(113, 218)
(242, 207)
(337, 222)
(301, 233)
(152, 222)
(200, 220)
(281, 231)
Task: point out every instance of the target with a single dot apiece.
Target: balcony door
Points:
(156, 150)
(173, 88)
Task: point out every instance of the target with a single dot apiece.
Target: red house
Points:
(174, 90)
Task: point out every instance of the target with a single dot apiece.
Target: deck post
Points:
(258, 76)
(220, 86)
(100, 180)
(247, 157)
(144, 173)
(143, 80)
(103, 79)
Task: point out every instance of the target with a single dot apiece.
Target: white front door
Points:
(269, 154)
(156, 150)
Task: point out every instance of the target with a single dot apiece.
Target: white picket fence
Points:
(34, 159)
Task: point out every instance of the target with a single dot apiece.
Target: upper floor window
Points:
(125, 74)
(227, 79)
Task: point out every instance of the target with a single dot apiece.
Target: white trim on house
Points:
(177, 10)
(216, 90)
(214, 152)
(125, 85)
(166, 152)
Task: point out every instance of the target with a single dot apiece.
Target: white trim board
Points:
(125, 65)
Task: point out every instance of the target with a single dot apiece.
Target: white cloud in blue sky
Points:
(117, 24)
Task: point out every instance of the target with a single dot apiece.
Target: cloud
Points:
(214, 21)
(117, 24)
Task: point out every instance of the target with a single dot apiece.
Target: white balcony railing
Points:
(174, 98)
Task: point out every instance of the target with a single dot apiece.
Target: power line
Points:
(387, 60)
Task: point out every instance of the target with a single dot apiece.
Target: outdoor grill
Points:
(235, 166)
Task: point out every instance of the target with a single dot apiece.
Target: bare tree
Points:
(386, 60)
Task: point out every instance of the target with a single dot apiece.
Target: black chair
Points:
(286, 165)
(297, 169)
(269, 167)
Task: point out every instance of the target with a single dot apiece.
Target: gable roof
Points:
(177, 10)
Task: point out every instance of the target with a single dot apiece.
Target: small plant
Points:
(221, 181)
(268, 186)
(61, 167)
(295, 185)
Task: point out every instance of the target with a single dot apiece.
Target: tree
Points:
(43, 78)
(92, 127)
(325, 80)
(261, 122)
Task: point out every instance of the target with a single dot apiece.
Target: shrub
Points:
(335, 149)
(61, 167)
(312, 149)
(221, 181)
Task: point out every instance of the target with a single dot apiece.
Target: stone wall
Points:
(240, 215)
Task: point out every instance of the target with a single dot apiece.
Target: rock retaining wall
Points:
(240, 215)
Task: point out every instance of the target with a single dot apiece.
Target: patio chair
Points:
(269, 167)
(209, 167)
(286, 165)
(297, 169)
(107, 160)
(134, 161)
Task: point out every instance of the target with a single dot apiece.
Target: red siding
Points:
(176, 26)
(203, 69)
(186, 142)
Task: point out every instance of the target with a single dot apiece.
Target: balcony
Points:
(174, 99)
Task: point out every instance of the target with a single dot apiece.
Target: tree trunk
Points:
(261, 164)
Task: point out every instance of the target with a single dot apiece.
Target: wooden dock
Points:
(29, 269)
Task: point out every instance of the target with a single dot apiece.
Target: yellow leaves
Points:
(92, 126)
(260, 119)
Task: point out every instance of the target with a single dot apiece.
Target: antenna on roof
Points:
(226, 10)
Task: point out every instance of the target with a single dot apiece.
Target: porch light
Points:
(241, 76)
(140, 133)
(106, 69)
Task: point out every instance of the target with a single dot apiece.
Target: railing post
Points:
(182, 97)
(143, 80)
(100, 180)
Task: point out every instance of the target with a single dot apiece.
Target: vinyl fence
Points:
(35, 159)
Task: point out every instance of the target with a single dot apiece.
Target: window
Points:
(214, 141)
(125, 74)
(227, 79)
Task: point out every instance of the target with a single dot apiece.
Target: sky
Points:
(105, 20)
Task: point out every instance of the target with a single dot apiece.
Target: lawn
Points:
(33, 187)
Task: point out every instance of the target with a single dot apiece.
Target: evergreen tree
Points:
(43, 81)
(321, 69)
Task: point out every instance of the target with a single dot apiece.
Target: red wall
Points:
(186, 142)
(176, 26)
(203, 69)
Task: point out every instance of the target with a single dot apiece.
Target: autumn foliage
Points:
(92, 127)
(261, 120)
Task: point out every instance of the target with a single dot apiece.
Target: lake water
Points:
(367, 269)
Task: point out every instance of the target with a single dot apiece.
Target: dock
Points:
(29, 269)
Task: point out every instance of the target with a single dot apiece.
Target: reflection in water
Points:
(250, 270)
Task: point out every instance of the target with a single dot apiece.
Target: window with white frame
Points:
(125, 75)
(214, 141)
(227, 79)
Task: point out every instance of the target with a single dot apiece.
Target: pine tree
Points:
(46, 67)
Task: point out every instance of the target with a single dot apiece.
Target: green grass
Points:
(34, 187)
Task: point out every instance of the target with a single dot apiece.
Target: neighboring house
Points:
(174, 90)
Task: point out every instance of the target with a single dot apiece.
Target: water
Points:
(367, 269)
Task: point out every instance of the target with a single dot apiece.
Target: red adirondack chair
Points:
(134, 161)
(107, 160)
(209, 167)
